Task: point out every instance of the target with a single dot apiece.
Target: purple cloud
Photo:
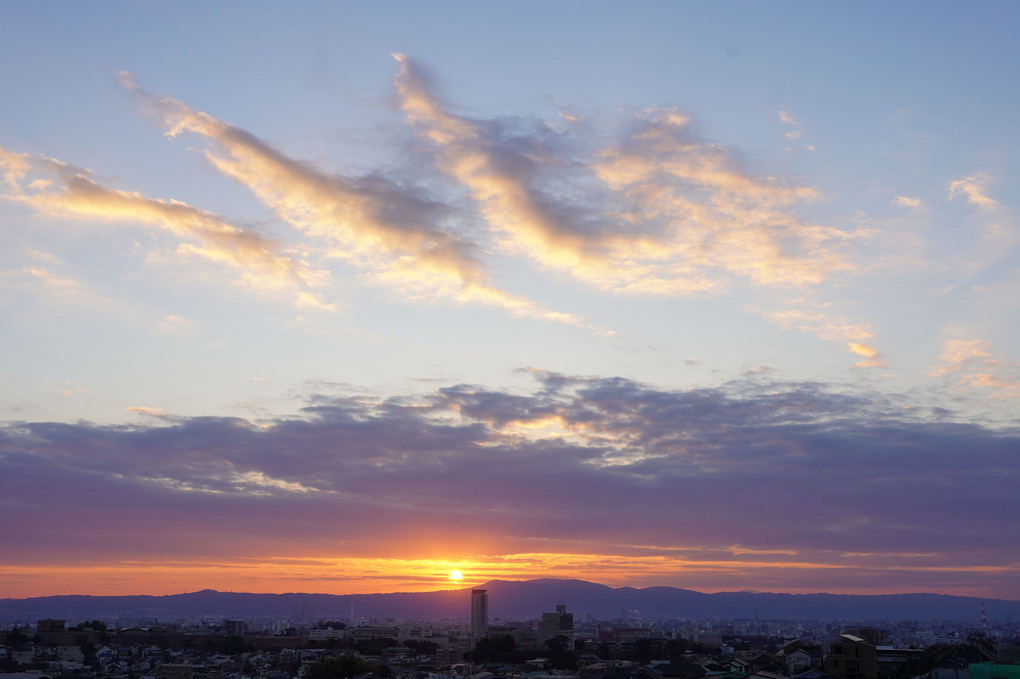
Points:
(795, 471)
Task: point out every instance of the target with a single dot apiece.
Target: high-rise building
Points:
(479, 614)
(233, 628)
(558, 624)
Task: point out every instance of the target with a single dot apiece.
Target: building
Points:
(479, 614)
(851, 657)
(233, 628)
(558, 624)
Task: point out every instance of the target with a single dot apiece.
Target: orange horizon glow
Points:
(374, 575)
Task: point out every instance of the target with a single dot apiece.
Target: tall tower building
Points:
(479, 614)
(558, 624)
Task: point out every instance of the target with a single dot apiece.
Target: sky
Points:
(341, 297)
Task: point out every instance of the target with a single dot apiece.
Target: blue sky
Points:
(237, 214)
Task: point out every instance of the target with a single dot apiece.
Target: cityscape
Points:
(481, 644)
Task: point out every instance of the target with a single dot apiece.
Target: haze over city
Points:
(398, 297)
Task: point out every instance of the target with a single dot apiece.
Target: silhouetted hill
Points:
(514, 600)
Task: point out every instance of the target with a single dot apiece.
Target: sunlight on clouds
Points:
(973, 190)
(673, 214)
(362, 575)
(174, 325)
(832, 328)
(907, 202)
(146, 410)
(79, 196)
(252, 482)
(970, 364)
(388, 229)
(870, 354)
(56, 288)
(15, 167)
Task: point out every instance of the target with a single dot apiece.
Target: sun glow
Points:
(456, 575)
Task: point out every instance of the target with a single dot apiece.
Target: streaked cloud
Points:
(146, 410)
(795, 133)
(969, 363)
(392, 231)
(870, 354)
(489, 476)
(907, 202)
(54, 188)
(660, 212)
(821, 322)
(974, 190)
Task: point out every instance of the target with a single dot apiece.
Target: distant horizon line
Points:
(501, 580)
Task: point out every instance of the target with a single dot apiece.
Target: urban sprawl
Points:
(478, 646)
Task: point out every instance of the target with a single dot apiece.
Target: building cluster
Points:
(481, 647)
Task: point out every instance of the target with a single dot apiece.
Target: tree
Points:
(675, 650)
(374, 646)
(983, 644)
(644, 649)
(88, 650)
(559, 655)
(231, 645)
(422, 646)
(16, 638)
(497, 648)
(340, 667)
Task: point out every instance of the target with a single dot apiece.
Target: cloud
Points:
(907, 202)
(660, 212)
(174, 325)
(580, 465)
(785, 117)
(820, 322)
(973, 190)
(796, 133)
(146, 410)
(54, 188)
(969, 364)
(870, 354)
(393, 231)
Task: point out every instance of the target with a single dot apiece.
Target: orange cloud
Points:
(51, 187)
(973, 189)
(662, 212)
(714, 570)
(832, 328)
(389, 230)
(970, 364)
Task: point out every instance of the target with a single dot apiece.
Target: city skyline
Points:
(352, 298)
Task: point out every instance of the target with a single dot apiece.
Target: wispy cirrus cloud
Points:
(832, 327)
(660, 212)
(911, 203)
(392, 231)
(974, 189)
(970, 364)
(54, 188)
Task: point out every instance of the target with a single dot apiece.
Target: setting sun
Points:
(456, 575)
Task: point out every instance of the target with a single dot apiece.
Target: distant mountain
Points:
(514, 600)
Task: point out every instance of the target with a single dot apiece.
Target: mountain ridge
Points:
(515, 599)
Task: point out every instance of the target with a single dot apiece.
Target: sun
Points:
(456, 575)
